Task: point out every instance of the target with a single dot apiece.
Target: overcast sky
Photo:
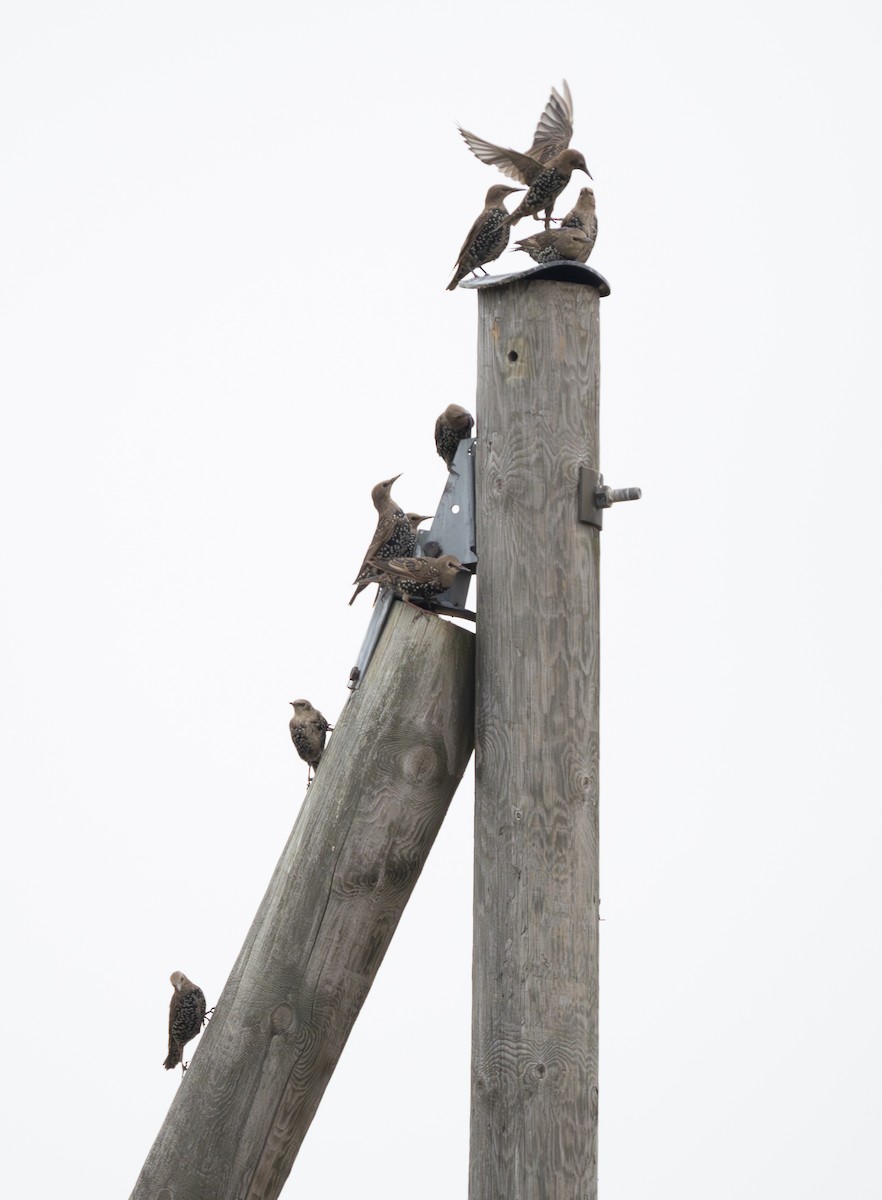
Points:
(226, 237)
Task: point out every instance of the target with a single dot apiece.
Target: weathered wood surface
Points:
(534, 1041)
(356, 850)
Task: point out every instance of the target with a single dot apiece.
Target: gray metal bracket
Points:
(452, 532)
(595, 496)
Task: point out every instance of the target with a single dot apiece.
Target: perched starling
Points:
(551, 245)
(487, 237)
(394, 535)
(583, 215)
(452, 427)
(422, 578)
(186, 1016)
(547, 165)
(308, 731)
(416, 520)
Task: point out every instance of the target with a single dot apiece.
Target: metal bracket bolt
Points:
(595, 496)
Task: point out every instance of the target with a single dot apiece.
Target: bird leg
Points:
(548, 218)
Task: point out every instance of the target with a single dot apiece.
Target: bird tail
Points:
(358, 590)
(454, 282)
(174, 1057)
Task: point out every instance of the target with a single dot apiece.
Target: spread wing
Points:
(521, 167)
(555, 126)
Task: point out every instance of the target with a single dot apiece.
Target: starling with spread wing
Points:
(394, 535)
(488, 236)
(308, 732)
(551, 245)
(186, 1016)
(548, 164)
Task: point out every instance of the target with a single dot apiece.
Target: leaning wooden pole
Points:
(357, 848)
(534, 1040)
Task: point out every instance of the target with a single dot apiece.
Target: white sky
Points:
(227, 232)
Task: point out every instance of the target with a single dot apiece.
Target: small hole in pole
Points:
(455, 508)
(512, 356)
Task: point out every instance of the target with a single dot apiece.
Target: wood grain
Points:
(534, 1048)
(356, 850)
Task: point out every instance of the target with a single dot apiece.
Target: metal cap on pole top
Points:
(561, 271)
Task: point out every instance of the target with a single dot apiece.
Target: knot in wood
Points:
(358, 880)
(281, 1019)
(419, 764)
(540, 1074)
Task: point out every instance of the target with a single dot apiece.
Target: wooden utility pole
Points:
(357, 848)
(534, 1033)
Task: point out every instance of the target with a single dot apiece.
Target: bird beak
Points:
(588, 173)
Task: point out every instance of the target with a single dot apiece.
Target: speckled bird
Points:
(308, 732)
(394, 536)
(488, 236)
(421, 578)
(583, 215)
(551, 245)
(548, 164)
(452, 427)
(186, 1016)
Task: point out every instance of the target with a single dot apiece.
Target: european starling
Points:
(416, 520)
(186, 1016)
(394, 535)
(547, 165)
(551, 245)
(419, 577)
(451, 428)
(308, 731)
(583, 215)
(487, 237)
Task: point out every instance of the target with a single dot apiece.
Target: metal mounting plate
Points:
(452, 532)
(589, 512)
